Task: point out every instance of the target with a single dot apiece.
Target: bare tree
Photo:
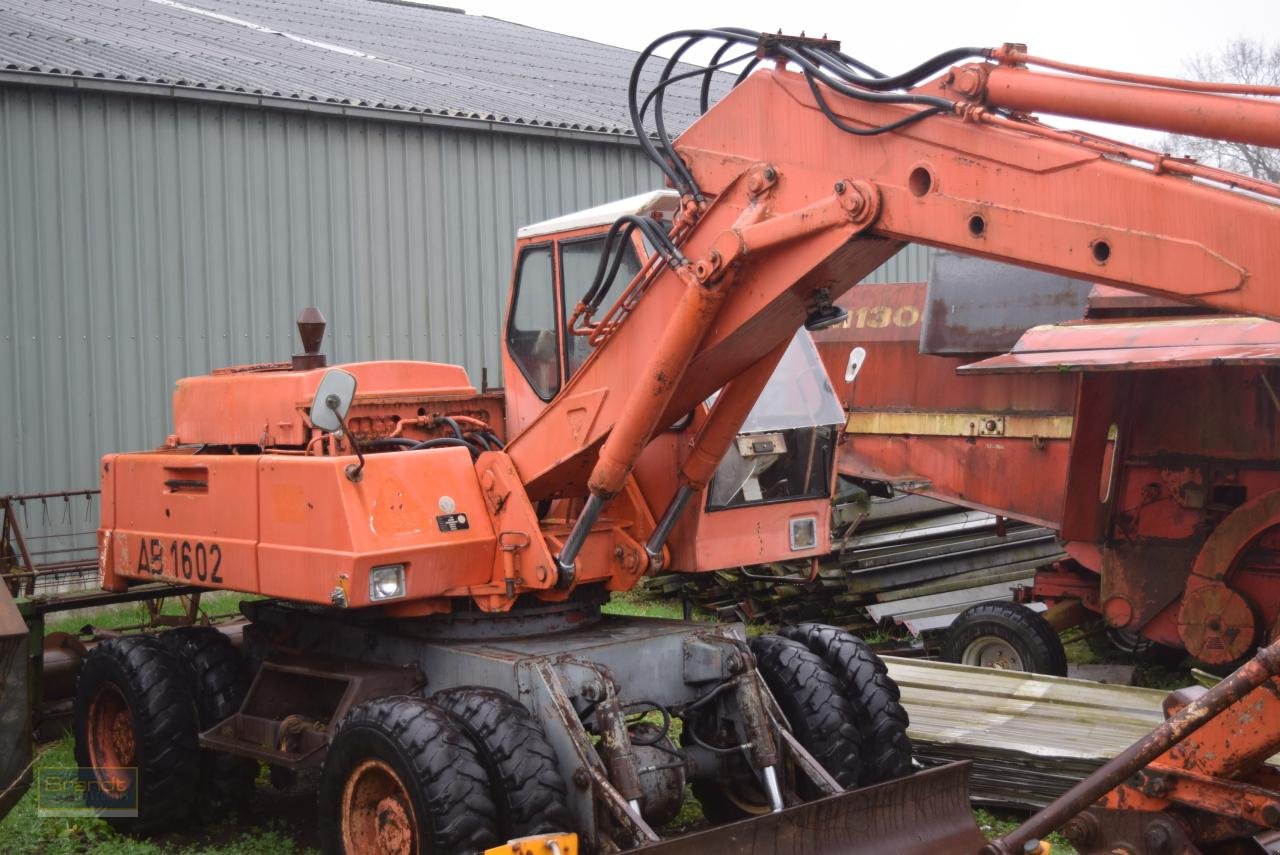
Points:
(1242, 61)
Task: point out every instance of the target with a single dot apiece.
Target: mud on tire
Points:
(218, 685)
(882, 720)
(446, 786)
(137, 684)
(525, 781)
(812, 699)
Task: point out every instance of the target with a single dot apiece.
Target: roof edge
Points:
(199, 94)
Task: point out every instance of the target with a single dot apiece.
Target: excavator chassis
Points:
(582, 675)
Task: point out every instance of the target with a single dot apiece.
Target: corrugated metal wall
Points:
(145, 239)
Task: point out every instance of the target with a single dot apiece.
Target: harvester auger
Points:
(435, 557)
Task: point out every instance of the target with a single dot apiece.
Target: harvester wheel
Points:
(882, 720)
(524, 777)
(218, 685)
(1005, 635)
(813, 701)
(133, 709)
(1105, 642)
(402, 777)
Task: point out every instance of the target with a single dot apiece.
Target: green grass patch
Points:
(25, 832)
(997, 823)
(129, 615)
(638, 603)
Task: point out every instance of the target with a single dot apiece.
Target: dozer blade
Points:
(15, 704)
(925, 813)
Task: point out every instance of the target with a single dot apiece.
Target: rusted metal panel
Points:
(15, 704)
(926, 423)
(922, 814)
(980, 306)
(1139, 345)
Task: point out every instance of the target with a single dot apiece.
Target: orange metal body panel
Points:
(244, 406)
(297, 528)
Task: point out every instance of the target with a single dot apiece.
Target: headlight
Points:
(386, 582)
(804, 533)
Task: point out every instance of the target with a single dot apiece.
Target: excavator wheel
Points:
(1005, 635)
(813, 701)
(402, 777)
(133, 710)
(886, 750)
(218, 684)
(524, 777)
(822, 718)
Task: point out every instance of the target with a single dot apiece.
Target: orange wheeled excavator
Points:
(433, 559)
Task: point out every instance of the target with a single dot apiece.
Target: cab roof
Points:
(666, 202)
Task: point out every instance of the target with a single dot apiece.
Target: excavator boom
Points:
(803, 200)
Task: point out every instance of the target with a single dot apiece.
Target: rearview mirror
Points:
(333, 398)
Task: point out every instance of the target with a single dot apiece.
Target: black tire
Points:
(447, 787)
(1106, 643)
(524, 777)
(218, 685)
(1037, 646)
(882, 720)
(813, 701)
(152, 684)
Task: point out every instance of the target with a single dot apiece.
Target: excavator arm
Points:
(799, 183)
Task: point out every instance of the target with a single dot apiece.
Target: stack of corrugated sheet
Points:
(918, 572)
(1030, 737)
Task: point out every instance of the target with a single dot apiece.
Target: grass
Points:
(25, 832)
(639, 603)
(129, 615)
(997, 823)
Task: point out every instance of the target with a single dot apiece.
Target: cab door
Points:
(540, 352)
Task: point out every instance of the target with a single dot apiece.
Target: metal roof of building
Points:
(403, 57)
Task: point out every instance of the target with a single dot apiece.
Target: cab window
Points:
(531, 332)
(578, 262)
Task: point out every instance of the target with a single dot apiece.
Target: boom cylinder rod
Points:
(1251, 121)
(1192, 717)
(693, 315)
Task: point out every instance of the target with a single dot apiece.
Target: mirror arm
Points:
(355, 470)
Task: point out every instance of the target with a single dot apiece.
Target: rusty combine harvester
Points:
(1142, 430)
(434, 557)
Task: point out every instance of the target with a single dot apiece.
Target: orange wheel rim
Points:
(111, 737)
(377, 814)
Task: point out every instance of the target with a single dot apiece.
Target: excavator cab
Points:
(769, 499)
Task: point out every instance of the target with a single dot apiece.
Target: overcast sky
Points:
(892, 35)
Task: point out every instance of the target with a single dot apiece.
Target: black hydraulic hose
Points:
(853, 61)
(446, 442)
(868, 132)
(827, 66)
(650, 149)
(493, 440)
(453, 425)
(615, 247)
(395, 441)
(705, 73)
(925, 69)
